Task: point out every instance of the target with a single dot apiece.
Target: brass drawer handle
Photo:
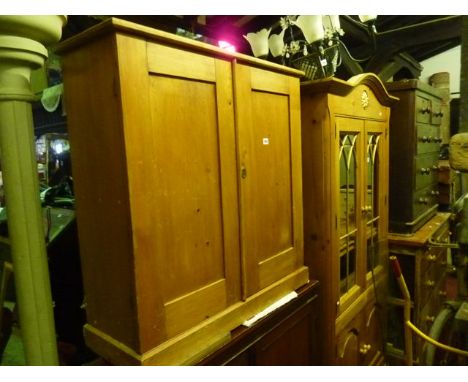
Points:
(425, 170)
(423, 200)
(431, 257)
(365, 349)
(366, 209)
(425, 110)
(442, 293)
(436, 193)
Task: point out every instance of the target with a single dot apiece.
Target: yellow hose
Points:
(434, 342)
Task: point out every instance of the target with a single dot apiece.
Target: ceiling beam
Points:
(390, 43)
(398, 62)
(350, 64)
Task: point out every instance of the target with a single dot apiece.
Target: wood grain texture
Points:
(271, 341)
(270, 192)
(164, 260)
(101, 188)
(330, 110)
(115, 25)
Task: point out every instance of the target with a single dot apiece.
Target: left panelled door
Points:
(183, 189)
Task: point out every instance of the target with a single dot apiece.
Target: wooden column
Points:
(22, 40)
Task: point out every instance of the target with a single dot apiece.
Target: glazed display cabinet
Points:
(345, 190)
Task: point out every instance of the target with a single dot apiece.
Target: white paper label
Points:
(323, 62)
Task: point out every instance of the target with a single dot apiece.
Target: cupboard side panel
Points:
(101, 188)
(136, 106)
(317, 140)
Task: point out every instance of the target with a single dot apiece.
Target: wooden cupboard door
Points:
(269, 152)
(183, 186)
(348, 349)
(371, 346)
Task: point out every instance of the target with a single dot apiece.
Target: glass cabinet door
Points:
(347, 215)
(360, 208)
(373, 199)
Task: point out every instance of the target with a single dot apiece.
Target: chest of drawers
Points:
(414, 153)
(423, 265)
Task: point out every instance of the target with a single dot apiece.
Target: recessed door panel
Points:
(188, 200)
(268, 136)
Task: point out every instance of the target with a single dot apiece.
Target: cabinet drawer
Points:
(371, 334)
(436, 112)
(428, 139)
(423, 109)
(427, 283)
(347, 346)
(427, 170)
(360, 342)
(425, 199)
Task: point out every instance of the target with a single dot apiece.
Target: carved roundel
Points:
(364, 99)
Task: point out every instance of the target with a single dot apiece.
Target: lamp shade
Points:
(259, 42)
(367, 18)
(276, 43)
(331, 22)
(311, 27)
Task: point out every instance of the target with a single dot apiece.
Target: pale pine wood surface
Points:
(330, 107)
(168, 261)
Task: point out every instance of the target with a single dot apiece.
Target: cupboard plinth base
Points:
(192, 345)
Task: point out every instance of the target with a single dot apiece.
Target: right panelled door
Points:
(269, 151)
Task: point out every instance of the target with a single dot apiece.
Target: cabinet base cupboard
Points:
(187, 167)
(345, 178)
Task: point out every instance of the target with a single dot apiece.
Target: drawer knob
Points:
(435, 193)
(430, 319)
(365, 349)
(366, 209)
(442, 293)
(423, 139)
(423, 200)
(425, 110)
(431, 257)
(435, 168)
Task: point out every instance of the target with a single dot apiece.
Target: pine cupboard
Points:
(186, 161)
(345, 191)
